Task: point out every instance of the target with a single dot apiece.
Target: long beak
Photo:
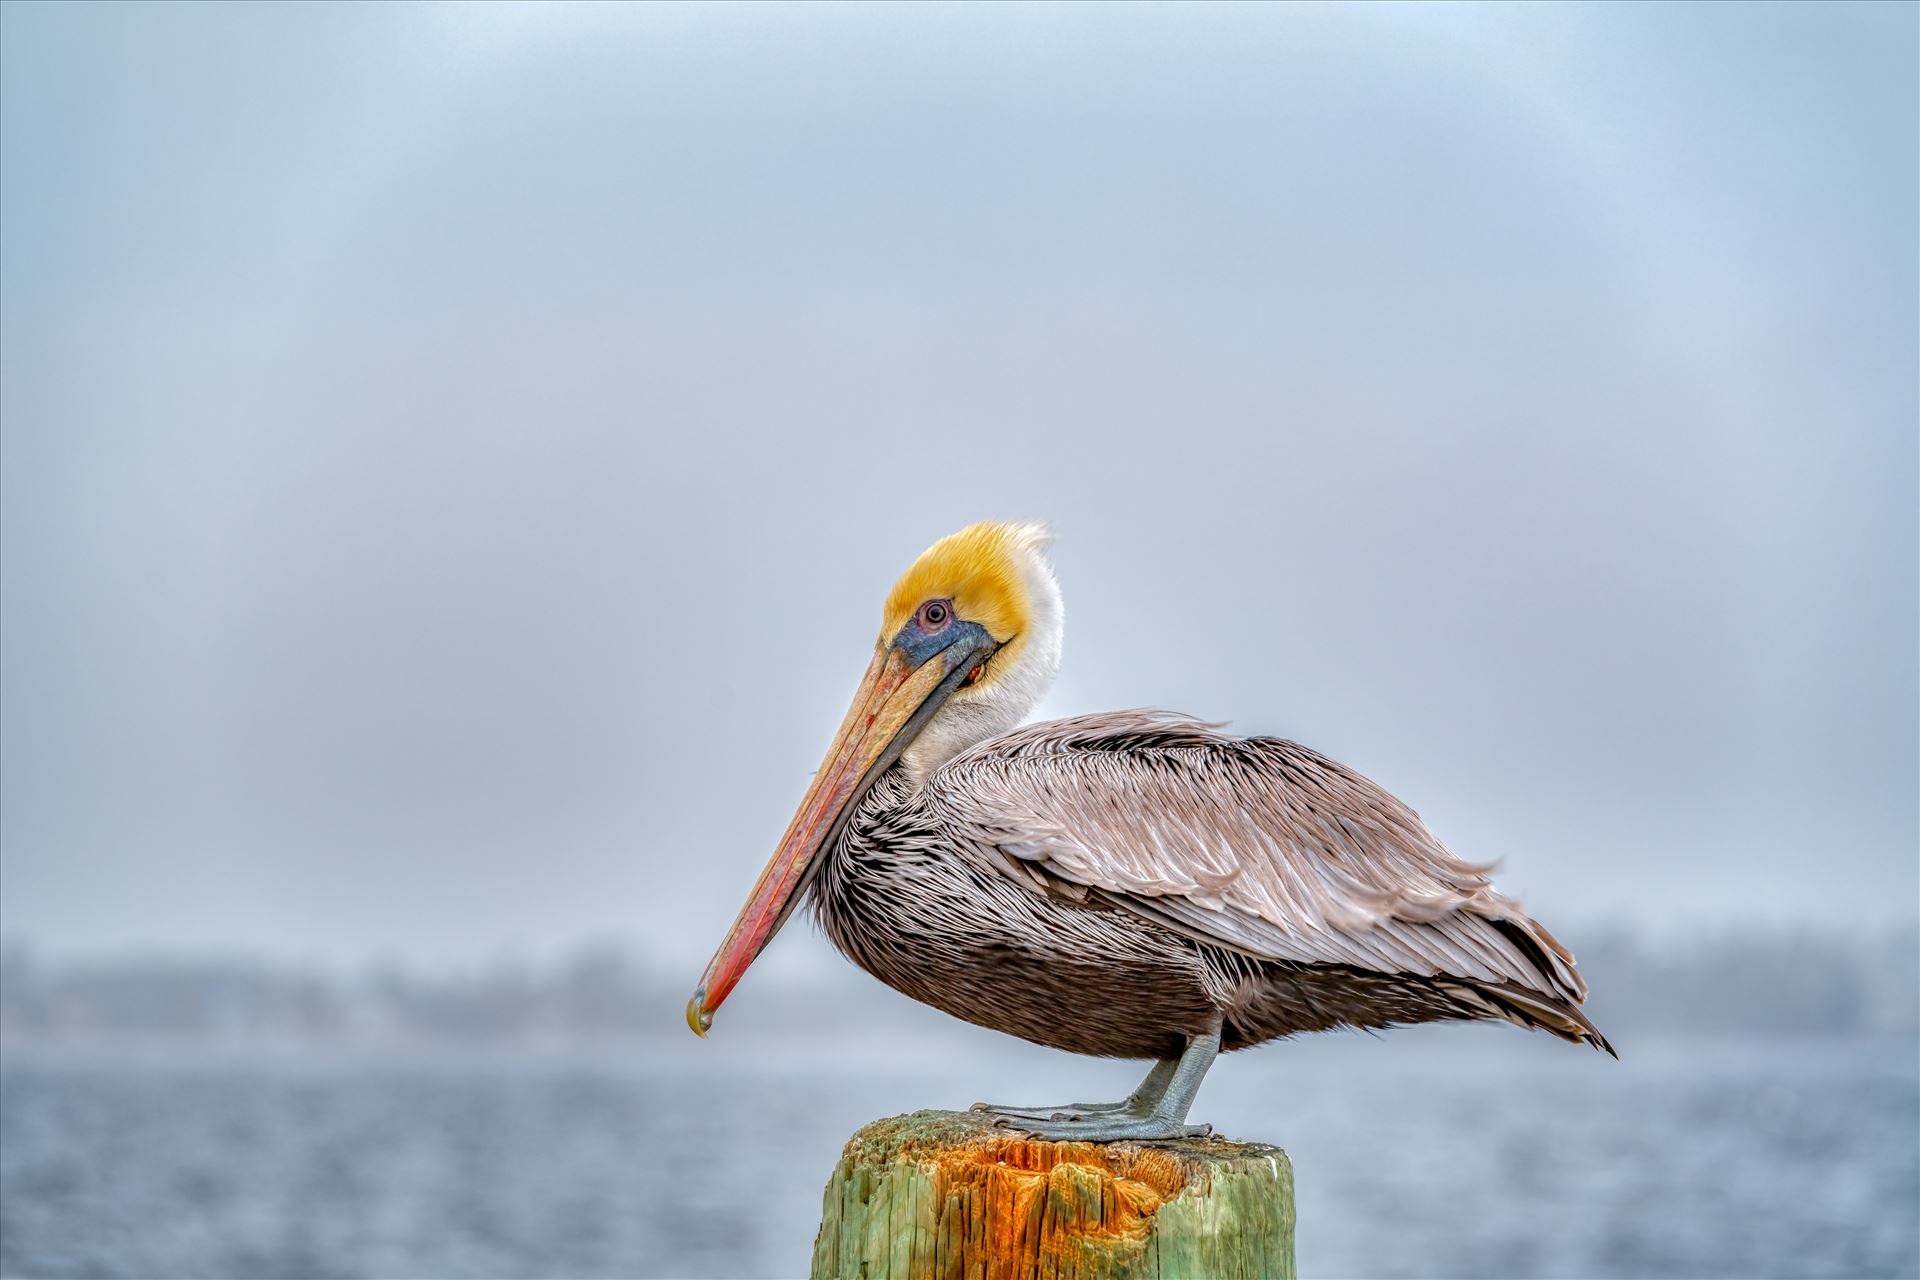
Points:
(895, 699)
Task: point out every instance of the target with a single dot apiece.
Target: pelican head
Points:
(969, 640)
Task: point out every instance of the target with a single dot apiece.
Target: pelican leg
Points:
(1166, 1119)
(1139, 1103)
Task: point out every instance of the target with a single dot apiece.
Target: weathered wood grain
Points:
(942, 1195)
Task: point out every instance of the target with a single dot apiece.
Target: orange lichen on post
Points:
(1017, 1198)
(939, 1195)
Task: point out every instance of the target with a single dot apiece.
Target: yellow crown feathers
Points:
(979, 569)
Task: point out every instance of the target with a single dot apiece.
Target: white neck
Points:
(996, 705)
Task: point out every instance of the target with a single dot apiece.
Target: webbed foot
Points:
(1154, 1112)
(1110, 1128)
(1064, 1111)
(1140, 1102)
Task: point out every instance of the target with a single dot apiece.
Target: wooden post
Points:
(943, 1195)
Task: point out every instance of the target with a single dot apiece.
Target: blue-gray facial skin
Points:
(965, 648)
(936, 628)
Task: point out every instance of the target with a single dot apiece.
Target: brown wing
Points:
(1252, 844)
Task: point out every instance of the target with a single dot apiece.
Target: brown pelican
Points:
(1134, 884)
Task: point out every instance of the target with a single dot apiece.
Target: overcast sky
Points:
(451, 459)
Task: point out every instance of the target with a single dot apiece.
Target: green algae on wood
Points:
(943, 1195)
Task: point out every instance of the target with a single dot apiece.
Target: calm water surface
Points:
(1462, 1155)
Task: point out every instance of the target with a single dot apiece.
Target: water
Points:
(1465, 1154)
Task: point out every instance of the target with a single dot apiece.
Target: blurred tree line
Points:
(1779, 983)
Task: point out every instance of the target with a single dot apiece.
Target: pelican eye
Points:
(935, 613)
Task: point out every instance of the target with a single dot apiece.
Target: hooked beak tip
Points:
(699, 1017)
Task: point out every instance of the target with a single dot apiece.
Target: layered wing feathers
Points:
(1253, 844)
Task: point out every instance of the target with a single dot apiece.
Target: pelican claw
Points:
(1058, 1111)
(1119, 1129)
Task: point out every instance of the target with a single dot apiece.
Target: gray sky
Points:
(451, 459)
